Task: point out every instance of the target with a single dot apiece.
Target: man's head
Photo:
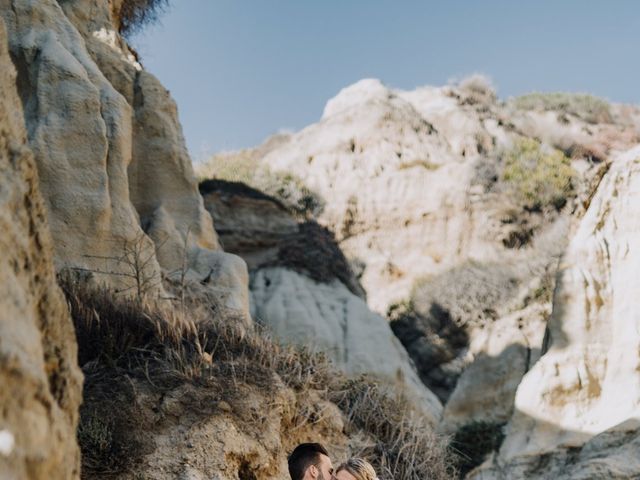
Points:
(310, 461)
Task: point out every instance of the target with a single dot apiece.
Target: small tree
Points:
(134, 265)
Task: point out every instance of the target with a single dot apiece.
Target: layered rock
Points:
(582, 396)
(115, 175)
(41, 383)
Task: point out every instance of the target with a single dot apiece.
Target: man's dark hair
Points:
(303, 456)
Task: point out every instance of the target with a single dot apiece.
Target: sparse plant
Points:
(136, 14)
(589, 108)
(477, 89)
(134, 265)
(537, 178)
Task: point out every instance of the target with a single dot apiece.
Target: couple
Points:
(310, 461)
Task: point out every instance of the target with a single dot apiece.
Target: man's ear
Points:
(313, 471)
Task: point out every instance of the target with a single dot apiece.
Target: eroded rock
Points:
(41, 382)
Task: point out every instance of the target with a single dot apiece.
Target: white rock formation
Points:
(401, 175)
(114, 170)
(398, 172)
(40, 383)
(330, 318)
(587, 383)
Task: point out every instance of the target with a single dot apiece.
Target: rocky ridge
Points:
(414, 185)
(303, 289)
(122, 204)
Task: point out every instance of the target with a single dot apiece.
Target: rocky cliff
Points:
(124, 211)
(498, 238)
(454, 209)
(122, 202)
(578, 406)
(41, 382)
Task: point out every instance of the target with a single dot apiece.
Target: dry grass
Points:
(245, 167)
(476, 89)
(587, 107)
(404, 446)
(122, 340)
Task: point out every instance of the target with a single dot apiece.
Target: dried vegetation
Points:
(125, 344)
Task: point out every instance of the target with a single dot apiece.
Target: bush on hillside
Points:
(243, 167)
(137, 14)
(536, 178)
(477, 88)
(474, 441)
(124, 342)
(587, 107)
(314, 251)
(471, 293)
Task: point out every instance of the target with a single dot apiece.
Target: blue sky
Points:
(241, 70)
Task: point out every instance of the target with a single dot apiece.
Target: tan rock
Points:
(114, 169)
(41, 383)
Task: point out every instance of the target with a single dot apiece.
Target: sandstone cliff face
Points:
(114, 170)
(41, 383)
(582, 396)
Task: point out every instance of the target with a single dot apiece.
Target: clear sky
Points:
(241, 70)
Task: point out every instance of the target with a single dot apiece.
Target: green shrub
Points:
(536, 178)
(587, 107)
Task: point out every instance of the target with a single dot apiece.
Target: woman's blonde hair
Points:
(359, 468)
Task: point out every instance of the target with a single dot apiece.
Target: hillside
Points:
(454, 209)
